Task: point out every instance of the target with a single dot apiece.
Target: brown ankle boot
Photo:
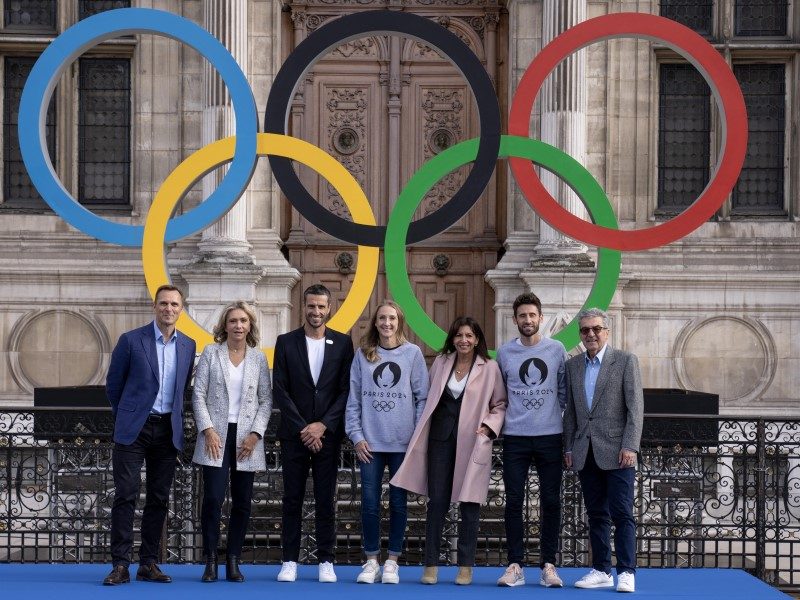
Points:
(430, 575)
(464, 576)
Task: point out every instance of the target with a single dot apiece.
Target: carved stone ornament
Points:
(345, 140)
(345, 262)
(441, 264)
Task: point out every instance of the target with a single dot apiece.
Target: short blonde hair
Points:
(220, 335)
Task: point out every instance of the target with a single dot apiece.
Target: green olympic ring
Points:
(571, 171)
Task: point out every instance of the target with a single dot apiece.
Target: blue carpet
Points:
(58, 582)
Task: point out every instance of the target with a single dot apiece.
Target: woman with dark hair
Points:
(449, 458)
(232, 403)
(388, 388)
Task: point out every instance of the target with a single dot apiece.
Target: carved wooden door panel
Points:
(384, 105)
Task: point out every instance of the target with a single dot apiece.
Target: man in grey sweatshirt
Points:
(533, 369)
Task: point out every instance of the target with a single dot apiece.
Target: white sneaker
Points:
(288, 571)
(626, 582)
(391, 572)
(595, 579)
(550, 576)
(513, 576)
(326, 573)
(370, 572)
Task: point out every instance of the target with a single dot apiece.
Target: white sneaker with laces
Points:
(326, 573)
(513, 576)
(626, 582)
(370, 572)
(391, 572)
(550, 576)
(288, 571)
(595, 579)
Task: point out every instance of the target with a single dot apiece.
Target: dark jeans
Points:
(545, 452)
(441, 462)
(297, 459)
(154, 448)
(371, 487)
(215, 481)
(609, 497)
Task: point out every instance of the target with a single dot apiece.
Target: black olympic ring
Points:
(531, 404)
(354, 26)
(383, 405)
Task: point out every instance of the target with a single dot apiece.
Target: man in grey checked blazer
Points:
(602, 431)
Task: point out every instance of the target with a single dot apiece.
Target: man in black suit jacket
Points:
(311, 381)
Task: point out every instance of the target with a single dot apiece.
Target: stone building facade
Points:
(714, 311)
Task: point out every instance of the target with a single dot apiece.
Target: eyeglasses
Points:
(596, 329)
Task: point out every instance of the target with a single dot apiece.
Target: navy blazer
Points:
(132, 382)
(293, 390)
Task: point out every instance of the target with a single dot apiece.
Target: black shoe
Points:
(210, 574)
(232, 572)
(152, 573)
(119, 574)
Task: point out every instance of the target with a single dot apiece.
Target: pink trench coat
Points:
(484, 402)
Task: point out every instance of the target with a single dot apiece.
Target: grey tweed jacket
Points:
(210, 403)
(615, 419)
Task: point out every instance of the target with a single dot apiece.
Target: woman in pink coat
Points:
(449, 457)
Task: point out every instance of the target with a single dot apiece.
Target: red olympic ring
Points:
(723, 85)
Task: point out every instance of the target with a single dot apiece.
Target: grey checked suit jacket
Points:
(210, 403)
(615, 420)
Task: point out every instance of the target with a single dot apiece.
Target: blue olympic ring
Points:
(72, 43)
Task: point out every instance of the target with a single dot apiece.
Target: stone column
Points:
(225, 269)
(226, 240)
(524, 39)
(563, 102)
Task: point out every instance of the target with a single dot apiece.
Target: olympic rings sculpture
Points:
(243, 150)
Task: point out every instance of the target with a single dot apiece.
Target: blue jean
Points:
(608, 496)
(371, 486)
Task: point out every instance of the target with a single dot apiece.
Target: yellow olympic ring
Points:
(220, 152)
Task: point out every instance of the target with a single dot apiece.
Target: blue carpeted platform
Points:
(60, 582)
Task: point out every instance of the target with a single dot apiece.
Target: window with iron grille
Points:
(87, 8)
(18, 191)
(104, 131)
(30, 15)
(684, 124)
(759, 190)
(761, 17)
(695, 14)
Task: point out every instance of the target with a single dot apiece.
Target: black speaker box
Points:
(675, 430)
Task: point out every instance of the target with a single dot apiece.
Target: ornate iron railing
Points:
(730, 498)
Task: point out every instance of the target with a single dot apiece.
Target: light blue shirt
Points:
(167, 360)
(592, 371)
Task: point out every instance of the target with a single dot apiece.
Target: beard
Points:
(522, 331)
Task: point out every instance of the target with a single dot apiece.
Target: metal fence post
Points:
(761, 499)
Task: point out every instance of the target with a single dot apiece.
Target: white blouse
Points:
(236, 379)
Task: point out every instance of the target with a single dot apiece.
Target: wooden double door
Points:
(382, 106)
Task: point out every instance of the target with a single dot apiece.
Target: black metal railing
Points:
(730, 500)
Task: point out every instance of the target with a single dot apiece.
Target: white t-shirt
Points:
(316, 354)
(236, 378)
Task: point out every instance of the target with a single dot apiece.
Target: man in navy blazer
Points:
(150, 369)
(311, 382)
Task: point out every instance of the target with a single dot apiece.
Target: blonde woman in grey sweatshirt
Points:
(388, 389)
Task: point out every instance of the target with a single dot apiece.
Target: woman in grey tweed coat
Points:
(232, 404)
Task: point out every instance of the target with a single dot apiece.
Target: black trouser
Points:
(154, 448)
(441, 463)
(296, 460)
(545, 452)
(215, 481)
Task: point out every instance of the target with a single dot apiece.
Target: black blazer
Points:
(293, 389)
